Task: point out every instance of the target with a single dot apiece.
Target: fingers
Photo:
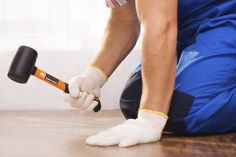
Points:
(80, 99)
(112, 137)
(102, 140)
(93, 105)
(88, 101)
(109, 137)
(66, 97)
(129, 141)
(74, 88)
(84, 101)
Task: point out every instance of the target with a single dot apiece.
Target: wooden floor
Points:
(62, 134)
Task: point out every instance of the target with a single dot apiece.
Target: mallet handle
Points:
(40, 74)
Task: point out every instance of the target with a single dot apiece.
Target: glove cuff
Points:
(158, 118)
(154, 112)
(97, 74)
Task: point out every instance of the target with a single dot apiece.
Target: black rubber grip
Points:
(66, 88)
(96, 109)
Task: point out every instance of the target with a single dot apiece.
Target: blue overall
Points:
(204, 99)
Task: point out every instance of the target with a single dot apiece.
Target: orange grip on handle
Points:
(50, 79)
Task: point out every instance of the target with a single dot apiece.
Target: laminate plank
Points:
(62, 134)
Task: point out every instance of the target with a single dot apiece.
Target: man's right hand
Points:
(85, 88)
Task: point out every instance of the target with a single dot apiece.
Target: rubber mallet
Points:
(23, 65)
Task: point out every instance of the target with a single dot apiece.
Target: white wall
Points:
(54, 24)
(67, 34)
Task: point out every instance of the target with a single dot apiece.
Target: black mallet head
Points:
(23, 64)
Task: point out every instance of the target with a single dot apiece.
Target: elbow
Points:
(160, 37)
(160, 28)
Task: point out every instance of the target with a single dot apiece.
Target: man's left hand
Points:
(146, 128)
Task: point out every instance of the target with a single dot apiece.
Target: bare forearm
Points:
(158, 70)
(159, 19)
(120, 37)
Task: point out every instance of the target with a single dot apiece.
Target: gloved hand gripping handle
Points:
(40, 74)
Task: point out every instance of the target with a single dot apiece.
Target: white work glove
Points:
(84, 88)
(146, 128)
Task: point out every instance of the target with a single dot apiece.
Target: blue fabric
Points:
(211, 80)
(207, 67)
(211, 24)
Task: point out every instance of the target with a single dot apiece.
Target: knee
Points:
(190, 115)
(180, 106)
(130, 97)
(128, 110)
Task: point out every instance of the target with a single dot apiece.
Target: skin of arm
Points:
(120, 37)
(159, 20)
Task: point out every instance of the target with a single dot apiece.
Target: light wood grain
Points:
(62, 134)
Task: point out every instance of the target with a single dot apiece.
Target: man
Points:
(199, 96)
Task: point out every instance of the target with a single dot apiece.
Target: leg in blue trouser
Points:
(130, 97)
(204, 100)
